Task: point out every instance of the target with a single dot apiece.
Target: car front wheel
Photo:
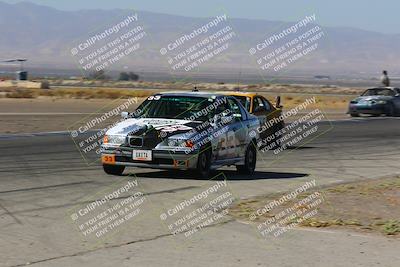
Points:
(249, 161)
(113, 169)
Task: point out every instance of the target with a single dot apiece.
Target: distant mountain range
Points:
(46, 36)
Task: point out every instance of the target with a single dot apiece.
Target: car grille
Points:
(136, 141)
(151, 140)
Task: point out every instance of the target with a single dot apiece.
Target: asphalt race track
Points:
(43, 176)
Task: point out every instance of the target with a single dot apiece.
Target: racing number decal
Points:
(108, 159)
(231, 140)
(154, 97)
(228, 144)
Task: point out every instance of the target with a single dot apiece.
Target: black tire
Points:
(354, 115)
(113, 169)
(391, 111)
(249, 161)
(204, 163)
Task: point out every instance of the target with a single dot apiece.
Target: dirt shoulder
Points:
(52, 114)
(366, 206)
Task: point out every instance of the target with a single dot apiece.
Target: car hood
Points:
(372, 98)
(143, 126)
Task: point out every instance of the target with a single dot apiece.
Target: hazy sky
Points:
(380, 16)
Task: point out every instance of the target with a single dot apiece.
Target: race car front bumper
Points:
(161, 159)
(375, 109)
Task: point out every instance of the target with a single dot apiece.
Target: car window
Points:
(379, 91)
(174, 107)
(259, 105)
(236, 109)
(267, 105)
(223, 106)
(386, 92)
(245, 101)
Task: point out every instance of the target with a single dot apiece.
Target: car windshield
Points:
(176, 107)
(378, 91)
(245, 101)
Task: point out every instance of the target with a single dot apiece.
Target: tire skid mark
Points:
(9, 213)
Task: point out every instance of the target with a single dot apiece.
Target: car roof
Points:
(390, 88)
(190, 93)
(238, 93)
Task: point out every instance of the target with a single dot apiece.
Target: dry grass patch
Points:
(371, 206)
(79, 93)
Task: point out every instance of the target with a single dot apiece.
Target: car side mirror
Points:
(278, 102)
(125, 115)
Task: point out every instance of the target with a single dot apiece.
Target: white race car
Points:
(186, 131)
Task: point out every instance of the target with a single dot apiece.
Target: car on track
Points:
(376, 101)
(196, 131)
(267, 113)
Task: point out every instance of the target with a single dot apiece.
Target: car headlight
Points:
(177, 142)
(381, 102)
(114, 139)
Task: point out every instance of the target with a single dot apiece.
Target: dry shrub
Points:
(21, 93)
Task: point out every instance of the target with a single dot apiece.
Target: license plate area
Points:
(142, 155)
(108, 159)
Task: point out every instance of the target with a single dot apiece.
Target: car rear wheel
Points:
(113, 169)
(249, 161)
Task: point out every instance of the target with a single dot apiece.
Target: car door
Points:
(239, 128)
(264, 111)
(223, 133)
(272, 112)
(396, 99)
(259, 109)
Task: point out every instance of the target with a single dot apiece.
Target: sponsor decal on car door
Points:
(227, 145)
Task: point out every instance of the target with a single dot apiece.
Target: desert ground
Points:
(42, 110)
